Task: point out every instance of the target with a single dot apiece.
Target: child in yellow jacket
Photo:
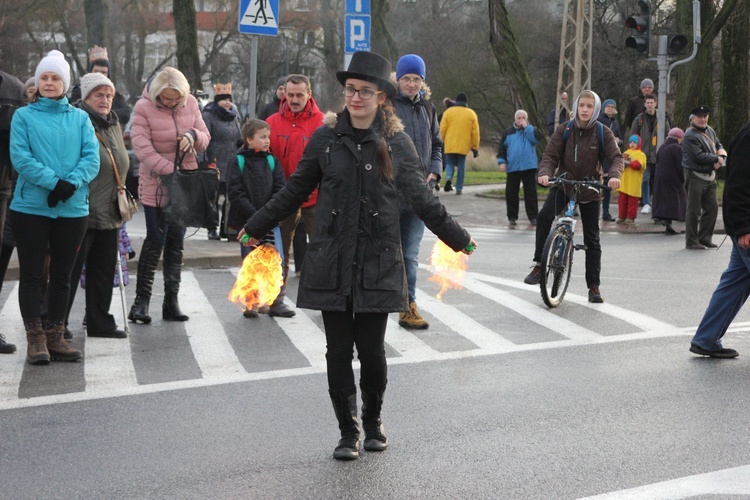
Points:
(630, 182)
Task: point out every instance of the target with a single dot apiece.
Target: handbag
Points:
(192, 194)
(126, 204)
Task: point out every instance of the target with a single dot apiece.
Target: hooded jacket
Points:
(104, 213)
(459, 129)
(290, 133)
(252, 188)
(578, 158)
(632, 175)
(154, 133)
(355, 242)
(517, 148)
(51, 140)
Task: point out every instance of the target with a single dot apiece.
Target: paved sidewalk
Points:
(474, 207)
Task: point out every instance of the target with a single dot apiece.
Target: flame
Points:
(259, 280)
(449, 267)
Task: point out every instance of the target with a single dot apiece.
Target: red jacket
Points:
(290, 134)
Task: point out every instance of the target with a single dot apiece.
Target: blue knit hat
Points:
(634, 138)
(609, 102)
(410, 64)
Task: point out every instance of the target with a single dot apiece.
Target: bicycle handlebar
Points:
(591, 184)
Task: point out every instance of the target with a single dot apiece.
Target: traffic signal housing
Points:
(641, 24)
(676, 44)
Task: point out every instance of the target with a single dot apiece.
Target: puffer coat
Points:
(104, 213)
(224, 127)
(355, 247)
(155, 130)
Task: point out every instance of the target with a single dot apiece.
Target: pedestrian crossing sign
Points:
(259, 17)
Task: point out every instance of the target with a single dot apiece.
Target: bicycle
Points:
(557, 254)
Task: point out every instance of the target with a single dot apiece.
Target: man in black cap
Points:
(702, 155)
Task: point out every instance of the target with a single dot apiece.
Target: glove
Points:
(64, 190)
(53, 200)
(475, 152)
(635, 165)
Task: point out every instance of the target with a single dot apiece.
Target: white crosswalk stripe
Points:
(110, 369)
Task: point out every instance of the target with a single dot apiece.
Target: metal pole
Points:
(662, 63)
(253, 74)
(697, 37)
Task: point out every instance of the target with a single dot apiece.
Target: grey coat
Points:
(355, 243)
(225, 138)
(103, 211)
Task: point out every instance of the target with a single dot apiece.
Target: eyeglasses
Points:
(364, 94)
(414, 81)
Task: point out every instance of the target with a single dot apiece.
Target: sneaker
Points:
(512, 222)
(607, 218)
(535, 276)
(448, 186)
(620, 221)
(6, 347)
(213, 235)
(646, 209)
(412, 319)
(629, 222)
(458, 192)
(594, 296)
(720, 353)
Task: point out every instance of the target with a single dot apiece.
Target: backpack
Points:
(599, 138)
(241, 163)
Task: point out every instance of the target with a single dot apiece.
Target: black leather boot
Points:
(147, 263)
(372, 403)
(170, 310)
(345, 405)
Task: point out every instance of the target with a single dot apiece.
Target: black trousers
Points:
(35, 234)
(512, 189)
(99, 251)
(556, 203)
(366, 331)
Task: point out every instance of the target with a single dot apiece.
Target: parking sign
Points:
(357, 33)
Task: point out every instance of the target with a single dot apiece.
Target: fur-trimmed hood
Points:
(393, 123)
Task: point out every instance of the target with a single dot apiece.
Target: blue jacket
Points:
(51, 140)
(517, 148)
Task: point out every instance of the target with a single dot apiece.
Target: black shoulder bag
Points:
(192, 194)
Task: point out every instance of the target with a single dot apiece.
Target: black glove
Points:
(475, 152)
(53, 200)
(64, 190)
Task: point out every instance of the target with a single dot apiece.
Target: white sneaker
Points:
(646, 209)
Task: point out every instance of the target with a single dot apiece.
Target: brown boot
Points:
(412, 319)
(58, 347)
(36, 351)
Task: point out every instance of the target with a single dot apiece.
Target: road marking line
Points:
(11, 367)
(406, 344)
(734, 481)
(210, 345)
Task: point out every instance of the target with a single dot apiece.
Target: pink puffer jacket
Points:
(154, 132)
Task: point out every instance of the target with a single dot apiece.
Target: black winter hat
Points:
(370, 67)
(461, 97)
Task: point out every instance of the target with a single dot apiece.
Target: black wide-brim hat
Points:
(370, 67)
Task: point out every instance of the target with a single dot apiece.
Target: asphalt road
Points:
(500, 398)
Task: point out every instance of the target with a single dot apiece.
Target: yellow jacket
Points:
(459, 129)
(630, 182)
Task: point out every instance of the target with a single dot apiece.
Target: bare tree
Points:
(382, 41)
(735, 50)
(186, 32)
(96, 22)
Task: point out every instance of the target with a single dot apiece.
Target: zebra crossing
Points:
(489, 316)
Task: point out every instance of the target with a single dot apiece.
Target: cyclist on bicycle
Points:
(576, 154)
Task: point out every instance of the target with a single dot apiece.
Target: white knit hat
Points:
(90, 81)
(56, 63)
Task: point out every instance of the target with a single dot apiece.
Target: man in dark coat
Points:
(563, 115)
(734, 287)
(273, 106)
(635, 104)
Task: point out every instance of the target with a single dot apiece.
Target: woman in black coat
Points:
(669, 201)
(354, 269)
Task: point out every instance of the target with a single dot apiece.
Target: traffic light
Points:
(676, 44)
(641, 25)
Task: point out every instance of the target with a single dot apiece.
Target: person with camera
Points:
(167, 124)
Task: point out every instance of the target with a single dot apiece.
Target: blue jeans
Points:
(412, 231)
(459, 161)
(728, 298)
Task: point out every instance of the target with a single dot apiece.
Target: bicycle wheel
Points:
(557, 261)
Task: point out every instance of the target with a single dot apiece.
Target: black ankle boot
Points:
(345, 406)
(170, 310)
(372, 403)
(139, 311)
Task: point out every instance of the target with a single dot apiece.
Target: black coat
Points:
(669, 182)
(355, 242)
(736, 206)
(252, 188)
